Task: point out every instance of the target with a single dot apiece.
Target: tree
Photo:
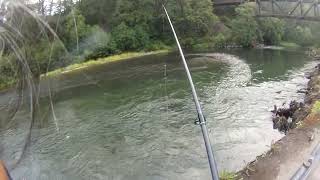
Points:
(272, 30)
(98, 12)
(302, 35)
(75, 30)
(128, 39)
(193, 19)
(244, 27)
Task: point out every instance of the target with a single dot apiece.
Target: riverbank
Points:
(91, 63)
(101, 61)
(287, 155)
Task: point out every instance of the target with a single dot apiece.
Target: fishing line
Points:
(24, 75)
(76, 28)
(166, 90)
(202, 121)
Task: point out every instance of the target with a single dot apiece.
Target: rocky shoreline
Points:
(301, 123)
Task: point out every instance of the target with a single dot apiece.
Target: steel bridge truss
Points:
(292, 9)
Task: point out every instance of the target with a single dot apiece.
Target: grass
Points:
(101, 61)
(289, 44)
(90, 63)
(8, 84)
(225, 175)
(316, 107)
(4, 86)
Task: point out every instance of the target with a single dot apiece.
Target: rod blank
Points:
(202, 122)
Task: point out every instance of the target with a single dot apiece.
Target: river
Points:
(134, 119)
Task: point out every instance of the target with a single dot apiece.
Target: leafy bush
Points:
(303, 35)
(128, 39)
(101, 51)
(201, 46)
(316, 107)
(220, 41)
(98, 44)
(47, 56)
(156, 45)
(272, 30)
(244, 27)
(7, 70)
(196, 18)
(224, 175)
(188, 42)
(75, 30)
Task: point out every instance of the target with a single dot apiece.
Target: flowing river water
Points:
(134, 119)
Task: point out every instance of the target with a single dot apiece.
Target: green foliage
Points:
(314, 27)
(128, 39)
(157, 45)
(97, 12)
(75, 30)
(94, 29)
(220, 41)
(97, 44)
(202, 46)
(47, 56)
(102, 61)
(301, 35)
(225, 175)
(193, 20)
(289, 45)
(272, 30)
(196, 18)
(316, 107)
(101, 51)
(136, 12)
(244, 27)
(7, 64)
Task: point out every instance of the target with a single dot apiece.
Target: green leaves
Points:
(302, 35)
(75, 29)
(244, 27)
(98, 12)
(129, 38)
(316, 107)
(247, 31)
(272, 30)
(194, 18)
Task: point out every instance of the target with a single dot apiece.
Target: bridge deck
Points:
(226, 2)
(298, 9)
(294, 9)
(235, 2)
(306, 18)
(304, 1)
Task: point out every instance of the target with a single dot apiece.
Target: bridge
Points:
(290, 9)
(227, 2)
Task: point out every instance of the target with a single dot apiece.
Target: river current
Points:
(135, 119)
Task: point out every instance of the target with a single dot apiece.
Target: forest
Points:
(96, 89)
(55, 34)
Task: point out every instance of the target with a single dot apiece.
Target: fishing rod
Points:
(202, 121)
(306, 169)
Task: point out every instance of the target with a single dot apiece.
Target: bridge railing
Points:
(227, 2)
(294, 9)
